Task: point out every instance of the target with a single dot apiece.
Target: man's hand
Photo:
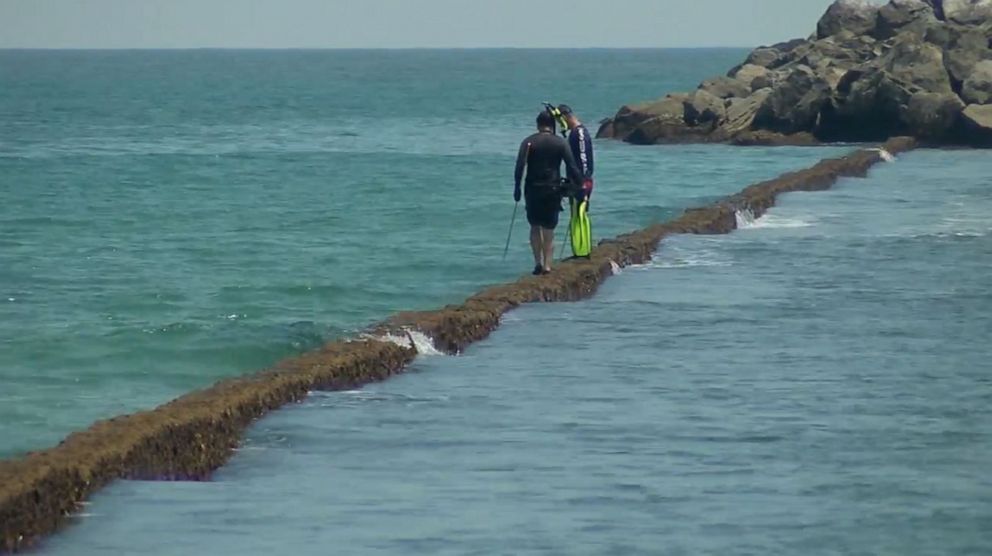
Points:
(516, 194)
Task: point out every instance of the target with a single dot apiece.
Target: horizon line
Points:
(363, 48)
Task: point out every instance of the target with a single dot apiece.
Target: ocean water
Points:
(171, 218)
(818, 382)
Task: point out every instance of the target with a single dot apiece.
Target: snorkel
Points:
(558, 116)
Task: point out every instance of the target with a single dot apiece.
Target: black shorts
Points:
(543, 206)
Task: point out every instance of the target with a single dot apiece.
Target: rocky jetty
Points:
(921, 68)
(187, 438)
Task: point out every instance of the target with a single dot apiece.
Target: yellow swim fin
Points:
(580, 229)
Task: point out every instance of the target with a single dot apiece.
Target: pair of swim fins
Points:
(580, 228)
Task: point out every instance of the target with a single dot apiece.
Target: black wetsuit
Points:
(543, 154)
(581, 143)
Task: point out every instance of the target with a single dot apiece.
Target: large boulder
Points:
(606, 130)
(866, 107)
(932, 115)
(977, 123)
(873, 99)
(668, 109)
(966, 12)
(741, 112)
(655, 130)
(964, 48)
(855, 16)
(903, 16)
(978, 87)
(764, 56)
(787, 47)
(919, 65)
(768, 80)
(832, 57)
(794, 104)
(705, 109)
(661, 121)
(725, 87)
(748, 73)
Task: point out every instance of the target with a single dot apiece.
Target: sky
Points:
(403, 23)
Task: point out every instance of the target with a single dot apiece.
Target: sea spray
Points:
(745, 218)
(409, 339)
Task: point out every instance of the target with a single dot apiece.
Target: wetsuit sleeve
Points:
(518, 172)
(590, 163)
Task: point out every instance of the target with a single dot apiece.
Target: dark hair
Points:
(545, 119)
(565, 109)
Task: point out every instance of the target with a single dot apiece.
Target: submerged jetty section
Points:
(188, 438)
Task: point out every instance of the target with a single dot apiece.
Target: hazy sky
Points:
(402, 23)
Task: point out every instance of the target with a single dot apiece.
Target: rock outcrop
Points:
(978, 120)
(965, 12)
(854, 16)
(867, 73)
(978, 86)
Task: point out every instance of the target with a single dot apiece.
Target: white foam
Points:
(773, 221)
(402, 341)
(745, 218)
(423, 343)
(510, 317)
(411, 339)
(884, 154)
(688, 261)
(615, 268)
(747, 221)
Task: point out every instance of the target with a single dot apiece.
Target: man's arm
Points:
(518, 172)
(574, 174)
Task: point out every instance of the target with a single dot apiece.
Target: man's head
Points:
(570, 117)
(545, 121)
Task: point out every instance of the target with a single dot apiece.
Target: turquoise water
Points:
(171, 218)
(817, 382)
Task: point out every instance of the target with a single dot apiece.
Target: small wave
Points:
(363, 397)
(949, 234)
(690, 260)
(615, 268)
(747, 221)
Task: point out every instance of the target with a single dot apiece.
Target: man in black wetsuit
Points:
(580, 142)
(542, 154)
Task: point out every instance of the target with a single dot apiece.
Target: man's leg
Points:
(537, 245)
(548, 243)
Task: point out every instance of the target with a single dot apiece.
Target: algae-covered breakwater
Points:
(188, 438)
